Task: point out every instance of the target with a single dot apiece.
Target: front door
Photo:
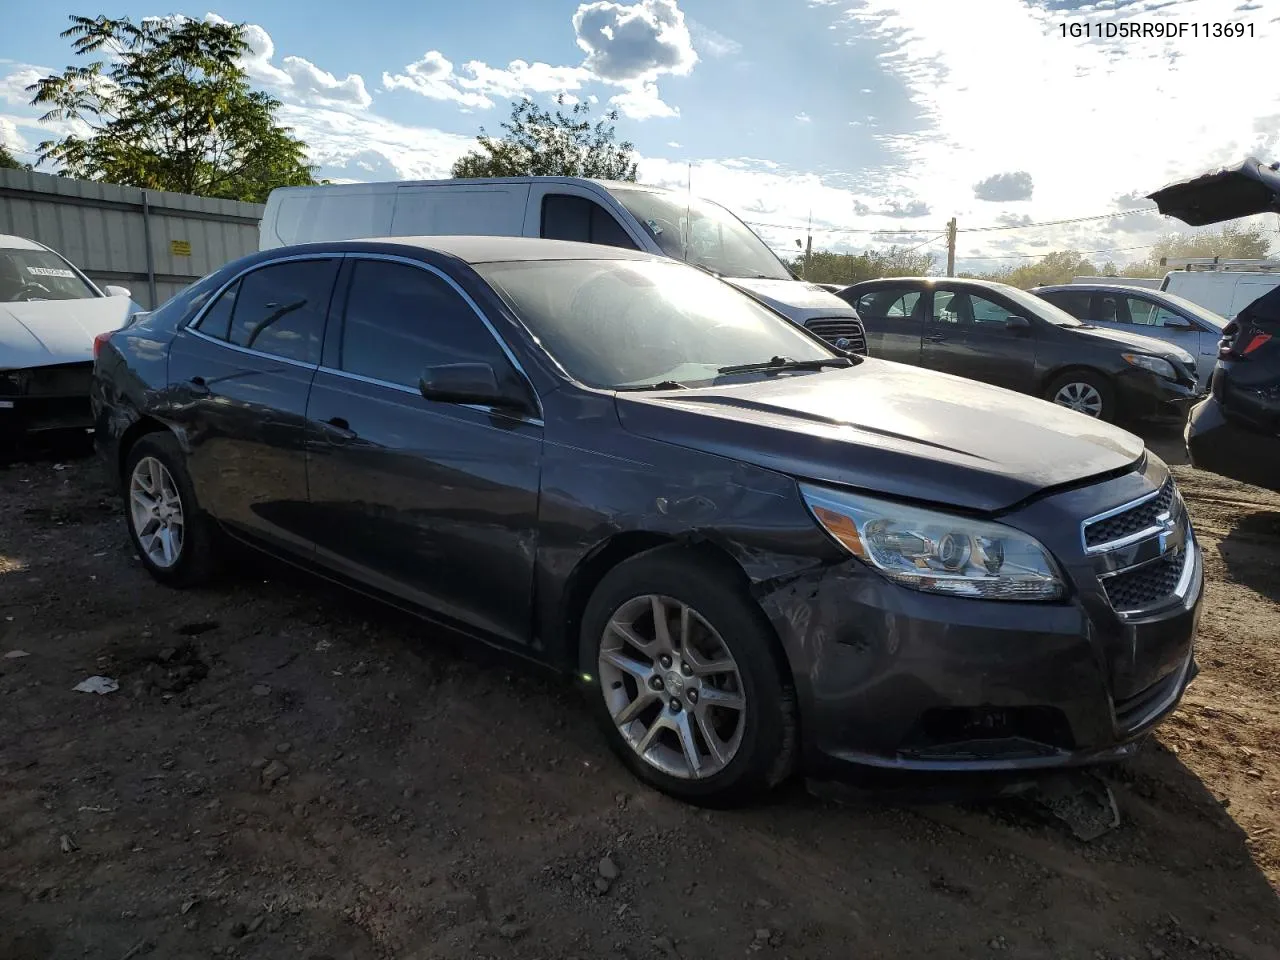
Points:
(433, 502)
(239, 379)
(969, 335)
(893, 317)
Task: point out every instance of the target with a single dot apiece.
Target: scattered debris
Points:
(98, 685)
(68, 843)
(261, 690)
(189, 905)
(274, 771)
(608, 869)
(512, 931)
(1080, 800)
(16, 654)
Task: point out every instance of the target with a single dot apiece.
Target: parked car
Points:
(998, 334)
(628, 215)
(1151, 313)
(755, 551)
(1223, 291)
(1236, 430)
(49, 314)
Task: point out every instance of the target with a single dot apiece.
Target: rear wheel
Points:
(688, 686)
(1085, 392)
(171, 535)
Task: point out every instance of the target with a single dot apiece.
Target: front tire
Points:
(689, 690)
(171, 535)
(1085, 392)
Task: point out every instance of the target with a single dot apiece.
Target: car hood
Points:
(799, 300)
(39, 333)
(890, 429)
(1227, 194)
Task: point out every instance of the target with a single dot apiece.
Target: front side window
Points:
(39, 275)
(620, 324)
(988, 311)
(1142, 312)
(279, 309)
(401, 319)
(580, 219)
(960, 307)
(1108, 308)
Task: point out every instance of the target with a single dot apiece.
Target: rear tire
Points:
(711, 681)
(172, 536)
(1084, 391)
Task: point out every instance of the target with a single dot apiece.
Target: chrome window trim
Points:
(1127, 540)
(192, 325)
(475, 308)
(252, 352)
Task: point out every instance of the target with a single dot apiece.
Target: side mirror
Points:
(1019, 324)
(466, 383)
(111, 290)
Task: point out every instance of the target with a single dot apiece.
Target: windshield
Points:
(1215, 320)
(1041, 308)
(716, 238)
(39, 275)
(620, 324)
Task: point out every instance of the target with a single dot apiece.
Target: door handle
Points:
(339, 429)
(936, 338)
(199, 386)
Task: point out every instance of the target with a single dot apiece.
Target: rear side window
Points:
(582, 220)
(891, 302)
(281, 309)
(400, 319)
(1074, 302)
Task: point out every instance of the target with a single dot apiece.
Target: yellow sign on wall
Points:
(180, 248)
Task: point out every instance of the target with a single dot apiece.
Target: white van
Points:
(563, 208)
(1225, 292)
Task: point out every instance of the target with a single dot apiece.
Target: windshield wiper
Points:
(786, 363)
(660, 385)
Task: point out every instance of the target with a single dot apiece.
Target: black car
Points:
(998, 334)
(1236, 430)
(756, 552)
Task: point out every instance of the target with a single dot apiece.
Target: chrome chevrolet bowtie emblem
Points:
(1167, 529)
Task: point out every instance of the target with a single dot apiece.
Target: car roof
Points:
(1105, 287)
(931, 281)
(475, 250)
(10, 242)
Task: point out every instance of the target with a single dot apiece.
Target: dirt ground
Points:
(290, 771)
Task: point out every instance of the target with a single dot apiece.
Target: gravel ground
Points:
(287, 770)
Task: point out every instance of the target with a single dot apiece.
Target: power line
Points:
(1032, 256)
(988, 229)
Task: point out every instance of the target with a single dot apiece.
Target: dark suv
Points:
(1001, 335)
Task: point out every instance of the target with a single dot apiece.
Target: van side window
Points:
(582, 220)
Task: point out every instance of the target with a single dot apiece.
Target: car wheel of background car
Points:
(1085, 392)
(170, 533)
(688, 685)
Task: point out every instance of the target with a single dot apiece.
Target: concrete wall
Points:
(154, 243)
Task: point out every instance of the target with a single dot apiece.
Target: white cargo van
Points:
(630, 215)
(1224, 286)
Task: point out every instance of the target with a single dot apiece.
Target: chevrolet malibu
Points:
(757, 553)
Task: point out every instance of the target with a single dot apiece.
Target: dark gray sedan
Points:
(757, 553)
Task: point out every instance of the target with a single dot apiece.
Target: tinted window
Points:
(1108, 308)
(891, 302)
(988, 311)
(1163, 316)
(1141, 311)
(959, 307)
(186, 303)
(402, 319)
(280, 309)
(583, 220)
(945, 308)
(1075, 302)
(216, 321)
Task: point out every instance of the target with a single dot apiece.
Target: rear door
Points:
(1249, 289)
(968, 334)
(432, 502)
(239, 379)
(893, 316)
(567, 211)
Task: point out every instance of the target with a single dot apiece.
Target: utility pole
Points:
(808, 247)
(951, 247)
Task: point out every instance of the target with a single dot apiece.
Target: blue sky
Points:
(872, 115)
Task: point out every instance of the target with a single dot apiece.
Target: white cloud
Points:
(641, 102)
(711, 42)
(673, 144)
(433, 77)
(637, 41)
(804, 117)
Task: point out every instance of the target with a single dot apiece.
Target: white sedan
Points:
(50, 313)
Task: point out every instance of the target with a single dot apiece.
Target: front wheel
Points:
(688, 685)
(1084, 392)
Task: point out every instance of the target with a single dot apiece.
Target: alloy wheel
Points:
(1081, 397)
(672, 687)
(155, 507)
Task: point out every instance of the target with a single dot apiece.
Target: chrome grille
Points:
(835, 329)
(1145, 585)
(1129, 522)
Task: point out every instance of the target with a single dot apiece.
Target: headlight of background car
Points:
(937, 552)
(1161, 368)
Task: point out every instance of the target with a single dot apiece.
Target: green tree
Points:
(1233, 241)
(537, 143)
(168, 108)
(827, 266)
(1058, 266)
(9, 162)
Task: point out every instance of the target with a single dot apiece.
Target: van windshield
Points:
(702, 233)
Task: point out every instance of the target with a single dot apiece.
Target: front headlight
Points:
(937, 552)
(1161, 368)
